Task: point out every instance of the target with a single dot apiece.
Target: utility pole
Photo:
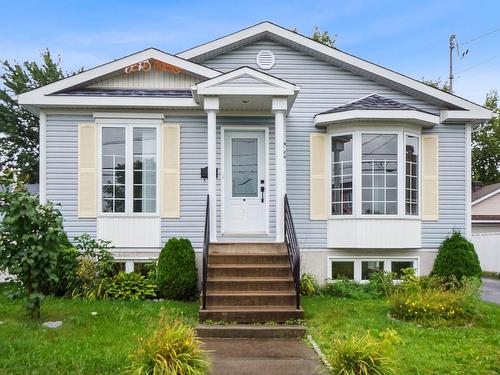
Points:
(452, 46)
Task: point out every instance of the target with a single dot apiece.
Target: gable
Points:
(489, 206)
(323, 84)
(247, 81)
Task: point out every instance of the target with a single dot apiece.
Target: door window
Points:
(244, 167)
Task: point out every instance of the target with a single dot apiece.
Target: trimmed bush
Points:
(456, 258)
(173, 348)
(66, 271)
(177, 277)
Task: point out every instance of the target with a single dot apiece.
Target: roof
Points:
(127, 92)
(462, 110)
(485, 192)
(373, 102)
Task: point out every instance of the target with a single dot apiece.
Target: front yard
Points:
(99, 344)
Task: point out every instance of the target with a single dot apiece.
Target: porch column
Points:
(279, 108)
(211, 106)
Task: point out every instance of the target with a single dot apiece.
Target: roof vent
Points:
(265, 59)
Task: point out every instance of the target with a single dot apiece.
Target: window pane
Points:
(411, 168)
(398, 266)
(343, 270)
(113, 167)
(144, 192)
(379, 180)
(245, 167)
(369, 267)
(342, 175)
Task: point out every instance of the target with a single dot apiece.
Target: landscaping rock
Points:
(94, 313)
(2, 322)
(56, 324)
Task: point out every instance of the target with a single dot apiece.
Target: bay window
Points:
(374, 173)
(129, 175)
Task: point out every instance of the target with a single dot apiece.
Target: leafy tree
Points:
(31, 236)
(486, 145)
(437, 84)
(19, 143)
(324, 37)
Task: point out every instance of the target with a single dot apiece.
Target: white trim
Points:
(212, 167)
(42, 167)
(468, 181)
(342, 59)
(417, 117)
(128, 125)
(495, 192)
(129, 115)
(454, 116)
(361, 258)
(245, 128)
(36, 96)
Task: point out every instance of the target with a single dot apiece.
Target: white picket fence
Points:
(488, 250)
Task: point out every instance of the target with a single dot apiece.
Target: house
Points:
(366, 168)
(486, 225)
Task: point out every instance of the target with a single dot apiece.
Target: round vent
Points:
(265, 59)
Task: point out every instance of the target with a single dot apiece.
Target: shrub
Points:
(173, 348)
(177, 277)
(66, 271)
(308, 285)
(98, 250)
(30, 240)
(348, 289)
(129, 286)
(382, 283)
(364, 354)
(457, 258)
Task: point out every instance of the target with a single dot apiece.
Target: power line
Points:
(478, 64)
(480, 36)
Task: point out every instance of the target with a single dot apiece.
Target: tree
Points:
(31, 238)
(324, 37)
(486, 145)
(19, 144)
(437, 84)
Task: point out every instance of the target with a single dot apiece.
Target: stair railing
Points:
(293, 248)
(206, 244)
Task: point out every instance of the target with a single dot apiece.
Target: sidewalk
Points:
(490, 290)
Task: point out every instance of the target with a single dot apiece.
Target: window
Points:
(113, 169)
(374, 173)
(342, 175)
(144, 170)
(379, 174)
(369, 267)
(411, 175)
(129, 169)
(245, 167)
(342, 269)
(360, 268)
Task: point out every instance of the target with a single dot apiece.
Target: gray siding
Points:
(324, 86)
(62, 170)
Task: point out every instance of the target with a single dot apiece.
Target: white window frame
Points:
(401, 130)
(419, 173)
(128, 125)
(358, 259)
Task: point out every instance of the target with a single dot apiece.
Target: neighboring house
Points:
(486, 225)
(375, 165)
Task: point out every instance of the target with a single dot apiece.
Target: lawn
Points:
(474, 350)
(85, 344)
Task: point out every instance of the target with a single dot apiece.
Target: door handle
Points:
(262, 194)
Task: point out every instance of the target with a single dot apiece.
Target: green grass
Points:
(85, 344)
(473, 350)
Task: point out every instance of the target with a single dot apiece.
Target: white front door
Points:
(245, 185)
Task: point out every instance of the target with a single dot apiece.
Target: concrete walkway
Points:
(490, 290)
(262, 357)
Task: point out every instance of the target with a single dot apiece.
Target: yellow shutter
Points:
(87, 162)
(430, 181)
(170, 174)
(318, 175)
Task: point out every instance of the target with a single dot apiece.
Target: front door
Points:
(245, 185)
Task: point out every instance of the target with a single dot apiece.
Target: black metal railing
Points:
(293, 249)
(206, 244)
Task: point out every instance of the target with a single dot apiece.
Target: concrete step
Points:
(248, 247)
(251, 284)
(251, 314)
(259, 298)
(248, 270)
(247, 258)
(250, 331)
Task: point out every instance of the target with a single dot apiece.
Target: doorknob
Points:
(262, 191)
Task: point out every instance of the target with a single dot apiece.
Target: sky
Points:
(410, 37)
